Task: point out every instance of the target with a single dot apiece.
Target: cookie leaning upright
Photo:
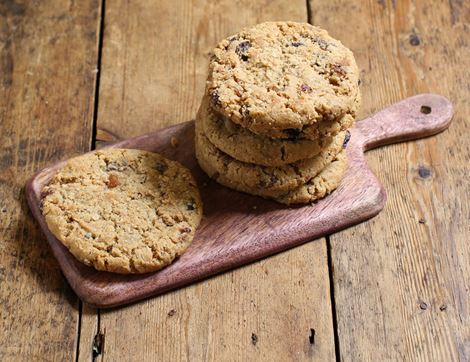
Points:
(283, 78)
(123, 211)
(273, 122)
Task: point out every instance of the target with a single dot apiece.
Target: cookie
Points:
(279, 79)
(123, 211)
(271, 181)
(247, 146)
(318, 187)
(321, 185)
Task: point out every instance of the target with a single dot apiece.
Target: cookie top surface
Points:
(123, 211)
(246, 146)
(269, 181)
(281, 76)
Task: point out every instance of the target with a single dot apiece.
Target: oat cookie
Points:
(321, 185)
(123, 211)
(280, 78)
(247, 146)
(318, 187)
(270, 181)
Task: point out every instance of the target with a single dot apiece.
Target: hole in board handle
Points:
(425, 109)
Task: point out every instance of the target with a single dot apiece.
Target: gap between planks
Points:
(309, 12)
(92, 147)
(332, 298)
(328, 247)
(98, 76)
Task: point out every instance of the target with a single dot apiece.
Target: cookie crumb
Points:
(254, 339)
(174, 142)
(423, 306)
(171, 313)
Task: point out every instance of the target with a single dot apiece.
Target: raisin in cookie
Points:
(247, 146)
(282, 78)
(123, 211)
(270, 181)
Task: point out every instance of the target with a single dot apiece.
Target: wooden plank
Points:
(154, 65)
(48, 56)
(260, 312)
(401, 281)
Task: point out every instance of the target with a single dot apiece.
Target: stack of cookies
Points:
(273, 121)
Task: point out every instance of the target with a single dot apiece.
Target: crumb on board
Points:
(174, 142)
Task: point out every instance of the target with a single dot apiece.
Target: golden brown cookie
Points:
(269, 181)
(247, 146)
(280, 79)
(123, 211)
(318, 187)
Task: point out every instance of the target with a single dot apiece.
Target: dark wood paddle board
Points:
(238, 228)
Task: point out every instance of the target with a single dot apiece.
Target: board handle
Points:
(415, 117)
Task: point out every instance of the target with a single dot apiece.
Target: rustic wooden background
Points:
(74, 74)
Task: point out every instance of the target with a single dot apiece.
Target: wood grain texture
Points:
(401, 280)
(154, 65)
(260, 312)
(48, 54)
(245, 228)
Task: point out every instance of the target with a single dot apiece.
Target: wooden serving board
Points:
(238, 228)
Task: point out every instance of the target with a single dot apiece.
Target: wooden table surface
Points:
(74, 74)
